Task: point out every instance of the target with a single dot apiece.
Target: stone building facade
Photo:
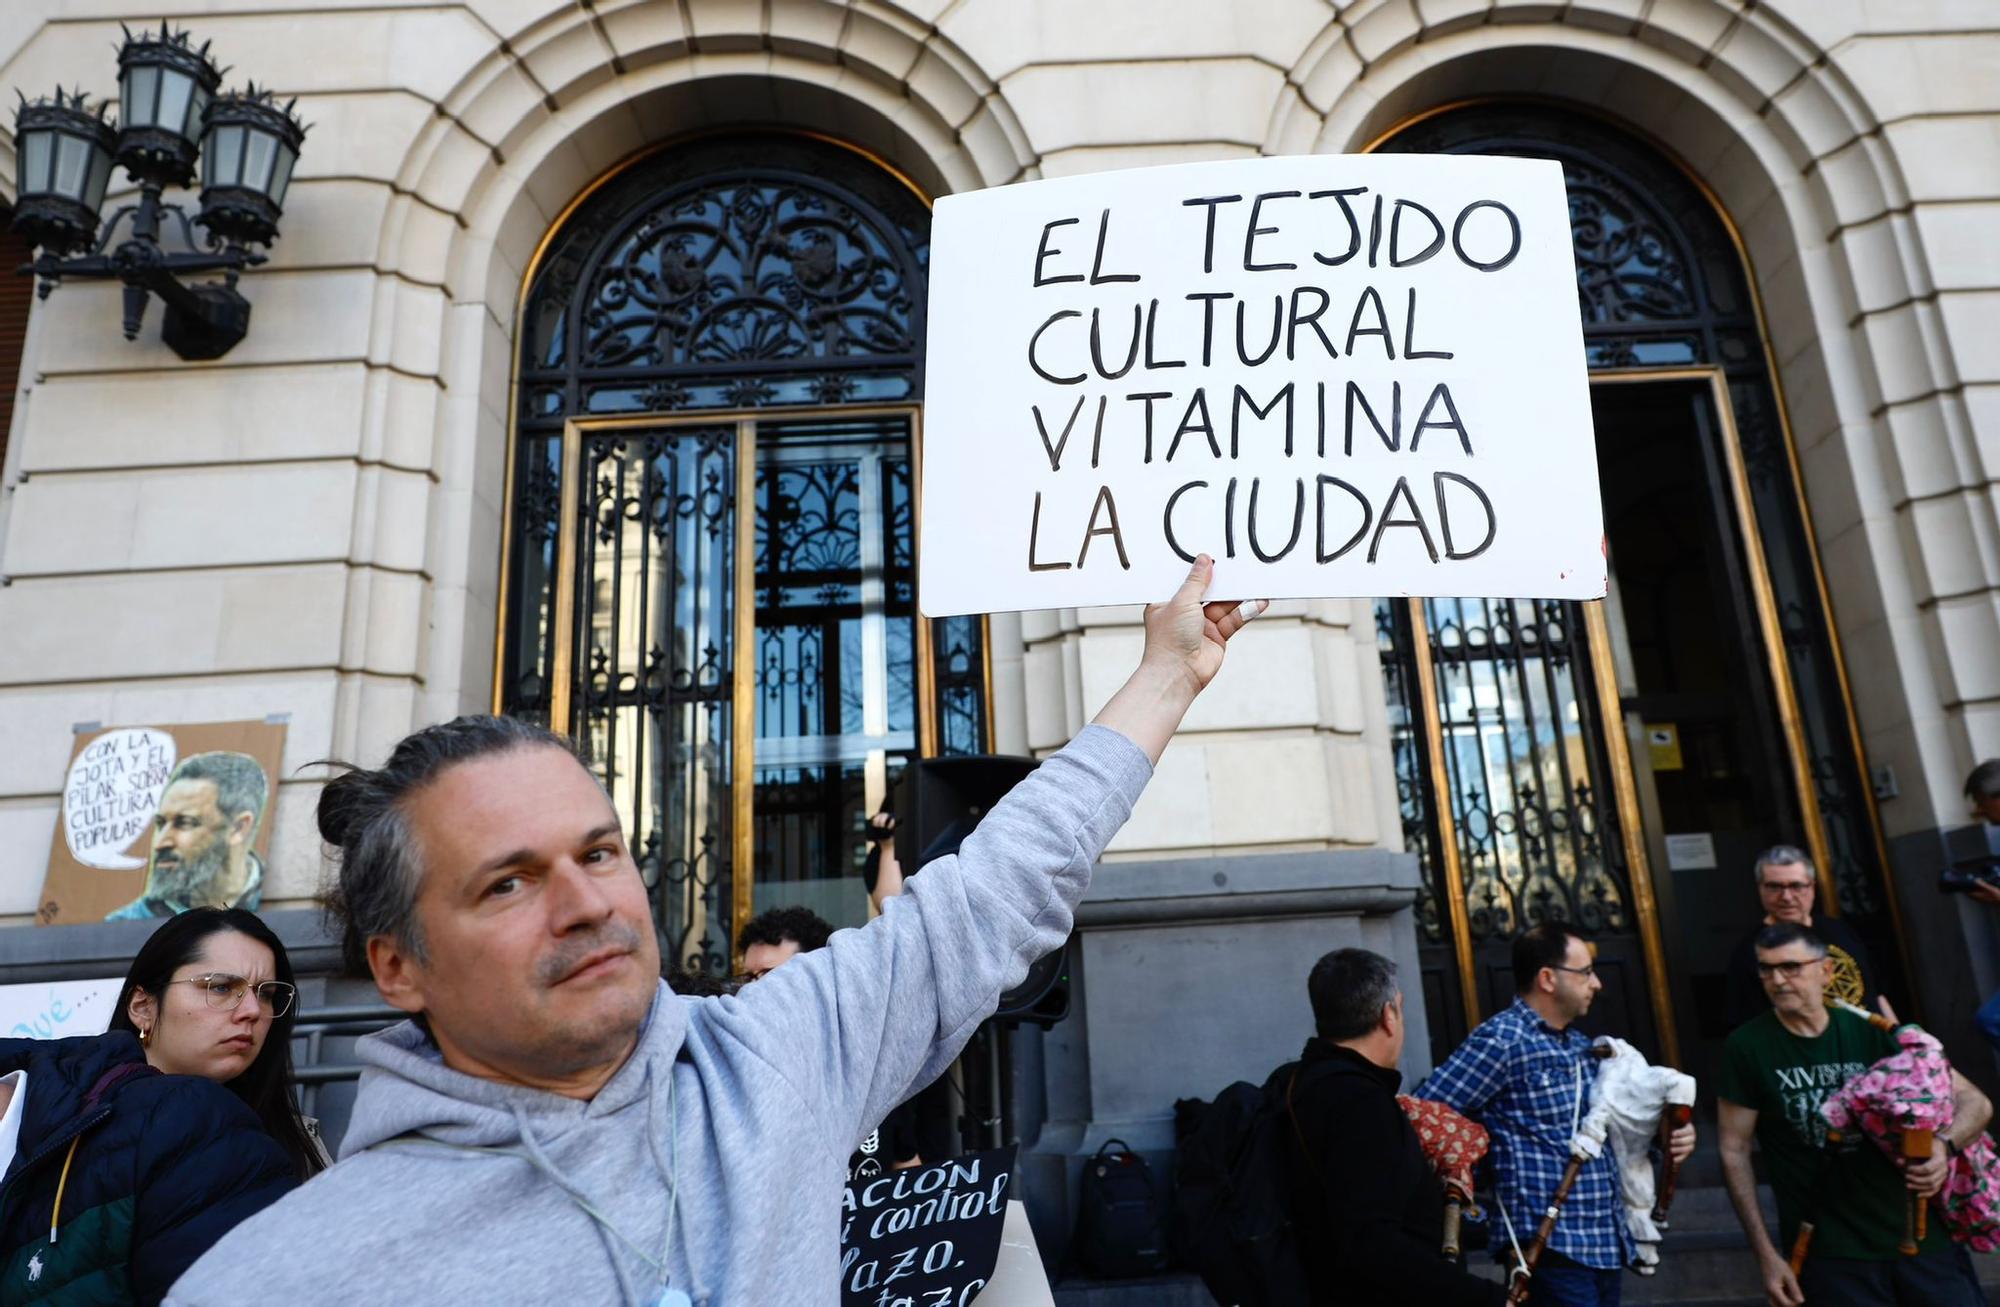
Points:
(314, 524)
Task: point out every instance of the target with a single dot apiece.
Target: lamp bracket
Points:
(203, 321)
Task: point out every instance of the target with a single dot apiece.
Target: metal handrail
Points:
(314, 1027)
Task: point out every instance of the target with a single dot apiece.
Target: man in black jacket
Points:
(1788, 889)
(1367, 1208)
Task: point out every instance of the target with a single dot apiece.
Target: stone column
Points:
(1186, 975)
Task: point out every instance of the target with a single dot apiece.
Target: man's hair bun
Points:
(343, 802)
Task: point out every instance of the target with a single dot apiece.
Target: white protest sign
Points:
(111, 793)
(1338, 375)
(57, 1009)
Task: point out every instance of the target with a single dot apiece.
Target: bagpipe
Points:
(1901, 1104)
(1454, 1146)
(1633, 1103)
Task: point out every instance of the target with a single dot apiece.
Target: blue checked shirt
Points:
(1519, 1079)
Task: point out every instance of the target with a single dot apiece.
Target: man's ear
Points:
(242, 827)
(398, 975)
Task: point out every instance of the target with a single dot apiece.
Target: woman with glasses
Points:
(125, 1156)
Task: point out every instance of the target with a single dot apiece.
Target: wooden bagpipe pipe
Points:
(1902, 1103)
(1632, 1103)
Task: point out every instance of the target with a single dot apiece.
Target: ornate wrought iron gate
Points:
(710, 572)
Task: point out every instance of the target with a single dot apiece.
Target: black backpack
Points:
(1232, 1211)
(1120, 1224)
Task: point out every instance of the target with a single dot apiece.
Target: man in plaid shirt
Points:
(1526, 1075)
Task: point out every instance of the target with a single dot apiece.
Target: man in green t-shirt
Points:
(1776, 1071)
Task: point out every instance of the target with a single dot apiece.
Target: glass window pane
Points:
(100, 178)
(176, 92)
(72, 166)
(140, 93)
(281, 175)
(652, 708)
(259, 153)
(35, 154)
(227, 152)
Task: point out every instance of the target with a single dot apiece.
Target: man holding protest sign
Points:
(556, 1123)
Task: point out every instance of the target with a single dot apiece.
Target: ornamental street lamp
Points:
(172, 117)
(65, 158)
(247, 154)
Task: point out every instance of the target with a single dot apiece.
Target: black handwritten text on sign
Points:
(925, 1237)
(1335, 375)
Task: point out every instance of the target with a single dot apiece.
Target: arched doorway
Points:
(735, 320)
(1619, 766)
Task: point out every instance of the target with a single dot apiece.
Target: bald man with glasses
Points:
(1788, 889)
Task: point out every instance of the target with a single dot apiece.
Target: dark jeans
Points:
(1560, 1282)
(1942, 1279)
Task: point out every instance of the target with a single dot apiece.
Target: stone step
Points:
(1704, 1262)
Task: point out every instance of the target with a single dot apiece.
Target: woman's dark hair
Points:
(266, 1085)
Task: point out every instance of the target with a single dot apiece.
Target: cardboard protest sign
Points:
(1338, 375)
(925, 1237)
(57, 1009)
(159, 818)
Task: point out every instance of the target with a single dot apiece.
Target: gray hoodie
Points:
(725, 1137)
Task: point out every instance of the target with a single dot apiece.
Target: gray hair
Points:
(1984, 781)
(363, 815)
(1782, 855)
(1349, 987)
(239, 781)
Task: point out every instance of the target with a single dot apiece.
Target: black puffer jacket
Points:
(158, 1168)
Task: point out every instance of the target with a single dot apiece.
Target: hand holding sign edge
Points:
(1185, 643)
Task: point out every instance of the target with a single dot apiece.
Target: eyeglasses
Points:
(225, 992)
(1576, 971)
(1789, 970)
(1787, 887)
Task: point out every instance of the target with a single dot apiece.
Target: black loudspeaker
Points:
(938, 802)
(1043, 997)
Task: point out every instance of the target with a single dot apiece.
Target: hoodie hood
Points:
(407, 1090)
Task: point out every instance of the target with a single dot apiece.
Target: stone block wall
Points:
(311, 524)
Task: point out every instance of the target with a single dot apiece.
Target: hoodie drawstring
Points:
(536, 1156)
(539, 1159)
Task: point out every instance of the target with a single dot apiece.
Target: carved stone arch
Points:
(1746, 99)
(499, 166)
(1799, 163)
(604, 81)
(1790, 167)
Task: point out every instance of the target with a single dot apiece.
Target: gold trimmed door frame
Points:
(1775, 379)
(1617, 760)
(576, 432)
(1617, 746)
(1764, 598)
(1447, 821)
